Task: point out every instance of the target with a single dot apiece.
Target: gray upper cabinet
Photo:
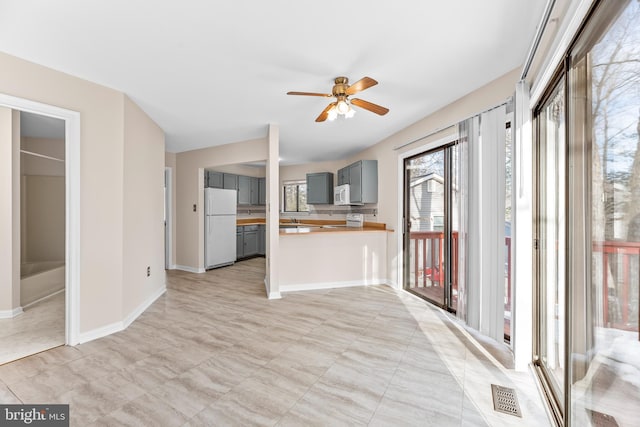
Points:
(215, 179)
(262, 191)
(355, 181)
(320, 188)
(230, 181)
(244, 190)
(255, 192)
(362, 176)
(251, 190)
(343, 176)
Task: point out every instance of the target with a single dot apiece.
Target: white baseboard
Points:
(43, 298)
(114, 327)
(274, 295)
(171, 267)
(142, 307)
(100, 332)
(9, 314)
(393, 284)
(189, 269)
(330, 285)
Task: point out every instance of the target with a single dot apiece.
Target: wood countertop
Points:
(328, 229)
(307, 226)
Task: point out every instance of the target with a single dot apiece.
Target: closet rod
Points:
(31, 153)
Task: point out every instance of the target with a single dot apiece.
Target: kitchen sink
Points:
(334, 226)
(299, 226)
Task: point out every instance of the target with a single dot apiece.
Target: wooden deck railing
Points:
(428, 247)
(620, 290)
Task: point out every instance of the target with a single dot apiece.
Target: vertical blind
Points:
(482, 222)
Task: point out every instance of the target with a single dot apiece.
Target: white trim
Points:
(42, 299)
(72, 204)
(114, 327)
(142, 307)
(9, 314)
(168, 206)
(189, 269)
(568, 30)
(271, 295)
(398, 283)
(172, 267)
(330, 285)
(100, 332)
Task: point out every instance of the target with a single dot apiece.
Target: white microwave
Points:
(341, 194)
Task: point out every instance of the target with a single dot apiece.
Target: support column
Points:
(272, 281)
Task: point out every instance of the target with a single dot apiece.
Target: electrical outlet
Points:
(148, 271)
(194, 207)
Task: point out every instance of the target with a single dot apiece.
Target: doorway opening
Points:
(45, 208)
(431, 243)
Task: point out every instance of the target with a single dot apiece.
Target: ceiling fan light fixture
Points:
(350, 113)
(343, 107)
(332, 114)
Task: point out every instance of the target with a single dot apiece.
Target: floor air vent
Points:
(505, 400)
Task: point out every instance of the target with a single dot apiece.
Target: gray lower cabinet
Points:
(320, 188)
(239, 242)
(262, 240)
(250, 241)
(244, 190)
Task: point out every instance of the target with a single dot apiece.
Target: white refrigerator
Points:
(219, 227)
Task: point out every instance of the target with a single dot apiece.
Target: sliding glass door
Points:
(550, 241)
(588, 225)
(430, 255)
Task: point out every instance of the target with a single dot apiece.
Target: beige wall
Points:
(44, 218)
(102, 182)
(238, 169)
(42, 193)
(189, 191)
(348, 259)
(9, 212)
(143, 208)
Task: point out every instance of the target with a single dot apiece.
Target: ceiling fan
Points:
(342, 105)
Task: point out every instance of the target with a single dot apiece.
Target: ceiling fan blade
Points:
(374, 108)
(360, 85)
(327, 95)
(325, 113)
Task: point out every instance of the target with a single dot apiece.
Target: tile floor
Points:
(40, 327)
(214, 351)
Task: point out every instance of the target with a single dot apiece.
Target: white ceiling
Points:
(214, 72)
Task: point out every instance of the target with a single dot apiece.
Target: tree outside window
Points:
(295, 197)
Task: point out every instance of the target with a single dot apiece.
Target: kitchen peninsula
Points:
(325, 254)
